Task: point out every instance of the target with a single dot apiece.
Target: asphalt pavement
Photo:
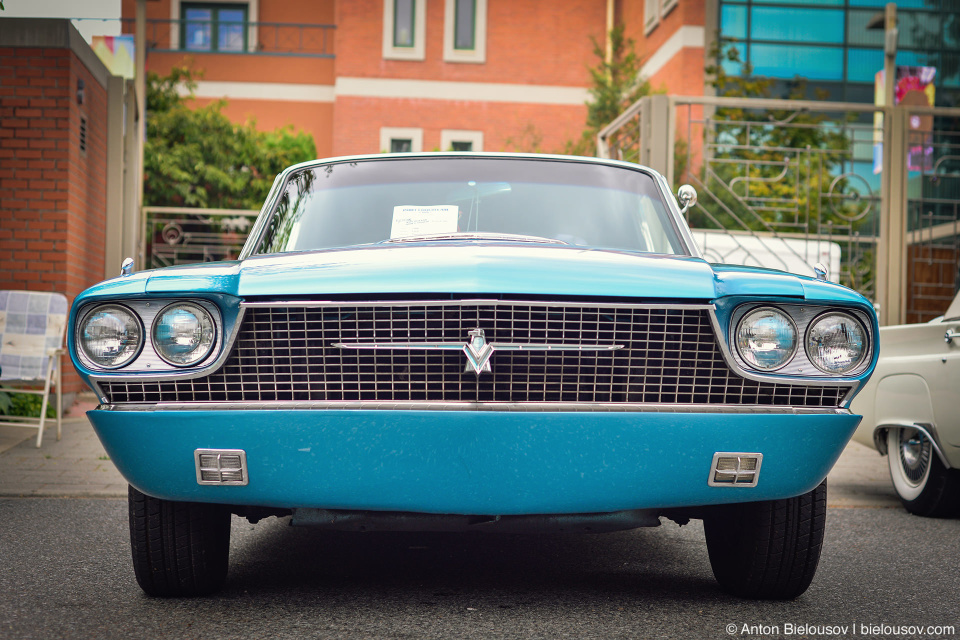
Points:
(65, 571)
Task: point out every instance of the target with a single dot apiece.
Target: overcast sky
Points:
(69, 9)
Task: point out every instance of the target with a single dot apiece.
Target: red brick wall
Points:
(52, 194)
(506, 127)
(528, 42)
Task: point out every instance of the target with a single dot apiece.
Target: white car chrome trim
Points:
(929, 431)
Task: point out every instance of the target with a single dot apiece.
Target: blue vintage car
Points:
(480, 342)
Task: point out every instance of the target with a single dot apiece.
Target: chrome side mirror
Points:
(687, 196)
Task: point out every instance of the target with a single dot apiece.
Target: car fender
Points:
(902, 401)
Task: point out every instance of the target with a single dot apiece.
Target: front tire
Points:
(179, 548)
(767, 550)
(923, 484)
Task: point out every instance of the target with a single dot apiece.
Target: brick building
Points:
(365, 76)
(55, 174)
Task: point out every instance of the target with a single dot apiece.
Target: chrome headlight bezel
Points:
(201, 314)
(800, 368)
(91, 359)
(865, 339)
(748, 358)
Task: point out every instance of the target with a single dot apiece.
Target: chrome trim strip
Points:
(477, 350)
(928, 430)
(413, 405)
(459, 302)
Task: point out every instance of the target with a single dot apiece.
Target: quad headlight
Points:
(184, 334)
(766, 338)
(111, 336)
(836, 343)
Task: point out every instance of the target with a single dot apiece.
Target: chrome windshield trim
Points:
(530, 407)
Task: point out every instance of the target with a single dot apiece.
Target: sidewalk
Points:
(77, 466)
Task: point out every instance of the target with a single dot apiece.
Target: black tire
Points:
(924, 486)
(179, 548)
(767, 550)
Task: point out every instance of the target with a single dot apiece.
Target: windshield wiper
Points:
(477, 235)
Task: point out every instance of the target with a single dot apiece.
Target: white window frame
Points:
(651, 15)
(414, 134)
(667, 6)
(478, 54)
(418, 50)
(253, 17)
(449, 136)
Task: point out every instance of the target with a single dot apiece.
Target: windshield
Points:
(476, 198)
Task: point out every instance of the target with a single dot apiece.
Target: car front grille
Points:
(669, 355)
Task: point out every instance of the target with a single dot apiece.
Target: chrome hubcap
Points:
(914, 453)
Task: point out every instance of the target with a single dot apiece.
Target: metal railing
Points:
(243, 38)
(183, 235)
(784, 182)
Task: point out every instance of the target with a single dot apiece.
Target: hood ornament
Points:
(477, 350)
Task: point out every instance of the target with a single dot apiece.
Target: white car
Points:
(911, 412)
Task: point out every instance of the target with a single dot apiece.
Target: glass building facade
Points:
(828, 42)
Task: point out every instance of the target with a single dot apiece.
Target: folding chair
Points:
(32, 325)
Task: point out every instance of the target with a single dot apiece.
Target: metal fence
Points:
(180, 235)
(872, 192)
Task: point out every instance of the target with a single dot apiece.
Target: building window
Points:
(457, 140)
(464, 24)
(651, 14)
(401, 145)
(401, 139)
(403, 29)
(213, 27)
(404, 26)
(465, 31)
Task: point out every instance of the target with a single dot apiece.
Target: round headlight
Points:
(183, 334)
(836, 343)
(111, 336)
(766, 338)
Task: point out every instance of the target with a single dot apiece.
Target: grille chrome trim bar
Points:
(547, 407)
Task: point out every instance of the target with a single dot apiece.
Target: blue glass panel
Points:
(901, 4)
(198, 34)
(797, 25)
(787, 61)
(733, 22)
(863, 64)
(734, 68)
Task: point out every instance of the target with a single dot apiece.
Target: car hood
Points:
(478, 268)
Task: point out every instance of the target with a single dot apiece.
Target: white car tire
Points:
(925, 486)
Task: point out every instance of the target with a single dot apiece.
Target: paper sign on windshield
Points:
(412, 220)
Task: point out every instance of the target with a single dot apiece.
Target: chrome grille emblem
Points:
(477, 350)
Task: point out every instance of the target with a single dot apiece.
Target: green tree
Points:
(197, 157)
(783, 171)
(615, 85)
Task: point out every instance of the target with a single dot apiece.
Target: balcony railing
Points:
(236, 38)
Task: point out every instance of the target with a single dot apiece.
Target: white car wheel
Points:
(925, 486)
(909, 453)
